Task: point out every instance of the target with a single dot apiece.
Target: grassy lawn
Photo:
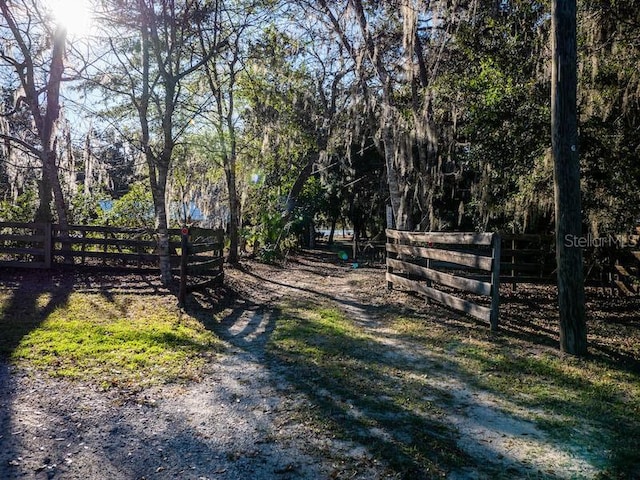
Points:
(383, 390)
(123, 340)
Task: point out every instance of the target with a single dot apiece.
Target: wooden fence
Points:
(614, 264)
(432, 263)
(201, 259)
(196, 251)
(25, 245)
(527, 258)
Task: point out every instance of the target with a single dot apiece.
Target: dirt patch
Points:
(248, 416)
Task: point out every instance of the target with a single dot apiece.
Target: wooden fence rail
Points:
(528, 258)
(424, 262)
(117, 247)
(614, 264)
(39, 245)
(26, 245)
(201, 259)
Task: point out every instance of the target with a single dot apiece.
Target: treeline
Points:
(272, 117)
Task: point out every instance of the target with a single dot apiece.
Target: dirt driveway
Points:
(249, 418)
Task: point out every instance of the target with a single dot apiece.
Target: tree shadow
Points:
(26, 301)
(134, 440)
(340, 395)
(29, 300)
(111, 439)
(369, 393)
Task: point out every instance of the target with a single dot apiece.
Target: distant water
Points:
(327, 231)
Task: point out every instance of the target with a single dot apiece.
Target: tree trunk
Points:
(58, 194)
(332, 232)
(51, 187)
(43, 213)
(158, 178)
(400, 200)
(51, 116)
(568, 213)
(356, 241)
(234, 209)
(296, 190)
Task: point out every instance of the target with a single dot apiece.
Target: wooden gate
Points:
(431, 263)
(201, 259)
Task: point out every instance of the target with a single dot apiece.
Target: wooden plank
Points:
(115, 256)
(495, 283)
(201, 259)
(101, 229)
(623, 288)
(22, 251)
(206, 247)
(22, 238)
(480, 262)
(32, 226)
(470, 308)
(18, 264)
(461, 283)
(115, 242)
(455, 267)
(622, 271)
(450, 238)
(205, 265)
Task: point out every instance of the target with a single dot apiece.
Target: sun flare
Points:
(75, 15)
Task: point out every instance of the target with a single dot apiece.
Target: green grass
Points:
(123, 341)
(374, 390)
(362, 393)
(592, 404)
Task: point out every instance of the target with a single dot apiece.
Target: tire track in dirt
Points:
(242, 420)
(497, 440)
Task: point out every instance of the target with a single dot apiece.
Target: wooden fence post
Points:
(83, 248)
(513, 263)
(390, 225)
(48, 245)
(495, 281)
(105, 248)
(184, 259)
(388, 256)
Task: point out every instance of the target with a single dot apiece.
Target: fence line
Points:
(25, 241)
(117, 247)
(42, 245)
(424, 262)
(528, 258)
